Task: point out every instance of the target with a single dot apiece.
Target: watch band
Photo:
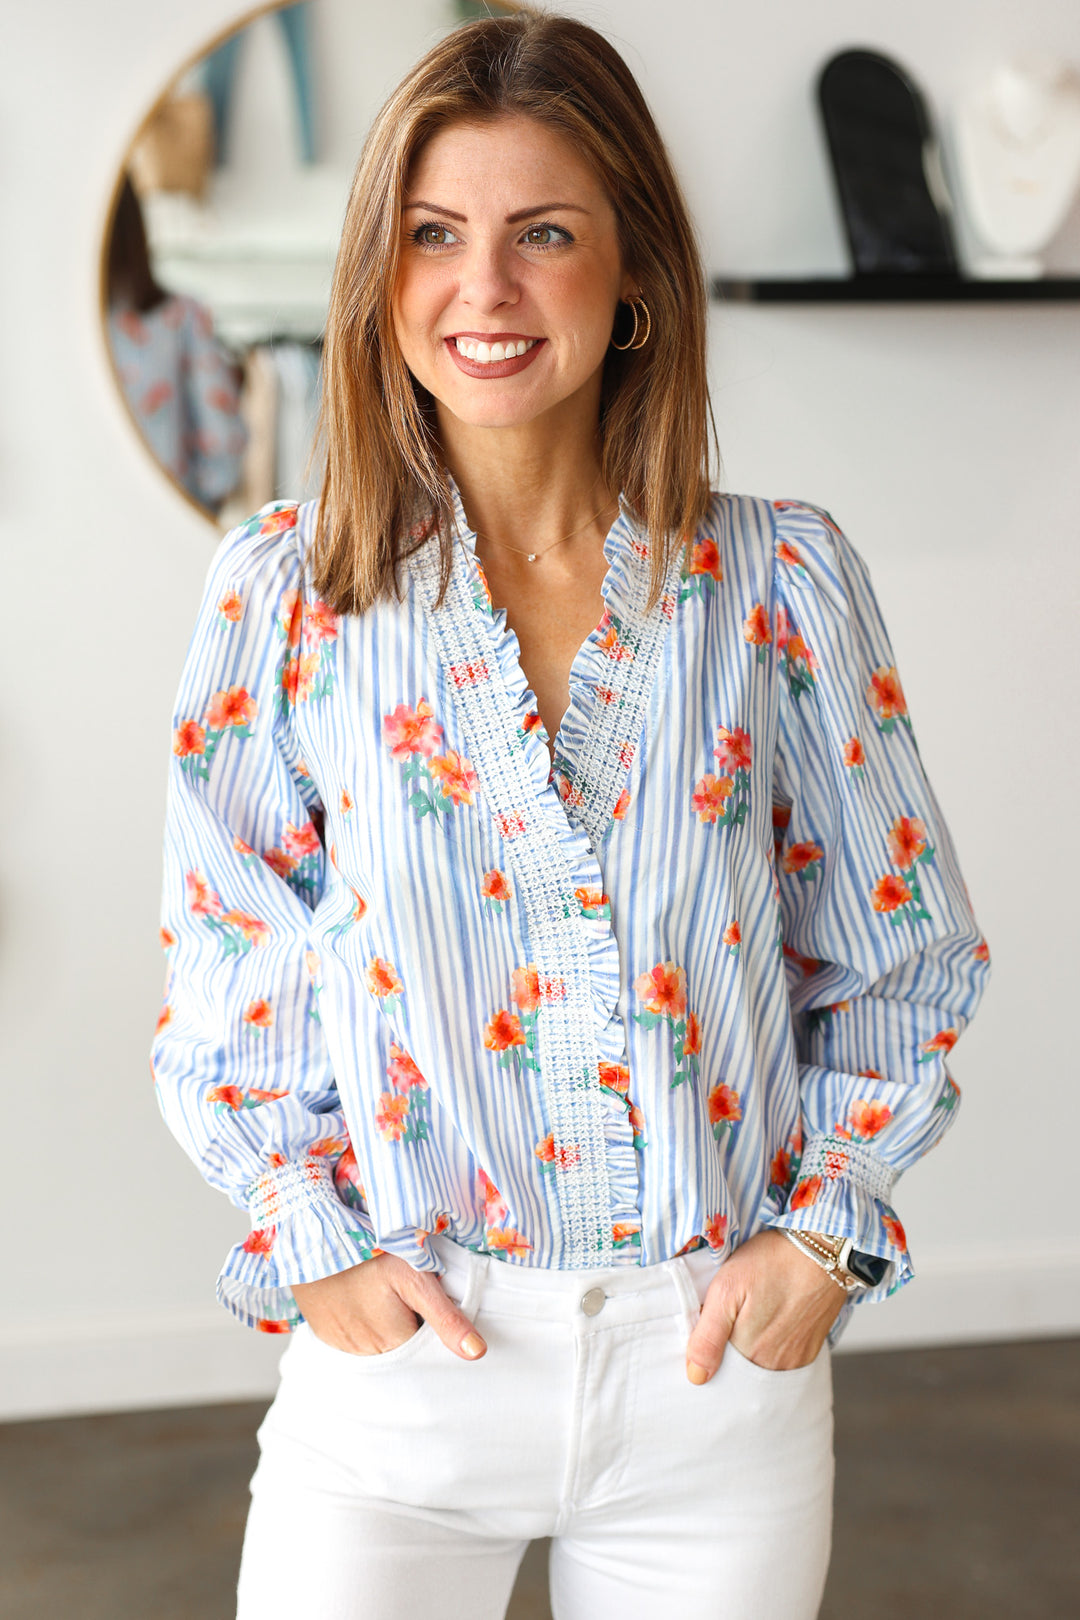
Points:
(830, 1253)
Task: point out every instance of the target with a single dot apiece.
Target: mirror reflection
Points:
(222, 234)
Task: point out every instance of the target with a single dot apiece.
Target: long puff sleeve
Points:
(241, 1068)
(885, 962)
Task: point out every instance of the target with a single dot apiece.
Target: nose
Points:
(487, 278)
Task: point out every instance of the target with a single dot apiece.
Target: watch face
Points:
(869, 1268)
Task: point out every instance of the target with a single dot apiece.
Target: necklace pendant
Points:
(532, 556)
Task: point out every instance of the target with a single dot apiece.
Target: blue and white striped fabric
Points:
(699, 977)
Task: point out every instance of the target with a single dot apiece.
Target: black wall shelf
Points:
(895, 290)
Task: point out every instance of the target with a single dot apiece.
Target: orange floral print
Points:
(164, 1019)
(277, 860)
(503, 1031)
(725, 1109)
(855, 758)
(894, 1231)
(455, 776)
(345, 802)
(756, 630)
(234, 707)
(203, 901)
(885, 696)
(615, 1077)
(561, 1158)
(166, 938)
(796, 660)
(391, 1112)
(259, 1014)
(663, 990)
(348, 1182)
(709, 798)
(806, 1192)
(402, 1069)
(189, 738)
(732, 937)
(865, 1119)
(594, 904)
(301, 841)
(733, 749)
(907, 840)
(408, 732)
(804, 859)
(622, 805)
(938, 1045)
(780, 1168)
(889, 893)
(233, 1098)
(626, 1235)
(261, 1241)
(791, 555)
(702, 570)
(505, 1242)
(981, 951)
(495, 889)
(230, 607)
(384, 983)
(526, 988)
(716, 1231)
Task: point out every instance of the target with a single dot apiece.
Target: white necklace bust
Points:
(1015, 147)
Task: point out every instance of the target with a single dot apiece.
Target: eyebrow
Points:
(511, 219)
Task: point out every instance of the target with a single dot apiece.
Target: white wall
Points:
(944, 440)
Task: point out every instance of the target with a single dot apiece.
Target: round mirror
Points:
(221, 236)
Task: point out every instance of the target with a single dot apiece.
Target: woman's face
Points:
(507, 238)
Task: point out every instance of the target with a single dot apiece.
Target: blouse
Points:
(183, 390)
(699, 977)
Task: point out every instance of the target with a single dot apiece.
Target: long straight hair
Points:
(385, 490)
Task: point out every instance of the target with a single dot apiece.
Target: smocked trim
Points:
(836, 1159)
(288, 1188)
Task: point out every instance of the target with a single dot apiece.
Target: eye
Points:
(544, 236)
(431, 235)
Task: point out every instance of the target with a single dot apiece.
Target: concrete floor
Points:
(956, 1496)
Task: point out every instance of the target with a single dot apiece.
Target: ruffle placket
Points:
(552, 823)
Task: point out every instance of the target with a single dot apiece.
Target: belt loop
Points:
(686, 1291)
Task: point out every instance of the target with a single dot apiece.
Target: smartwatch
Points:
(850, 1268)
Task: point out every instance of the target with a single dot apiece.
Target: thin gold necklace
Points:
(535, 556)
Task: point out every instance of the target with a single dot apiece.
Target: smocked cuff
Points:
(301, 1231)
(843, 1189)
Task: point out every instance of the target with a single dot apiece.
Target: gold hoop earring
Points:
(642, 326)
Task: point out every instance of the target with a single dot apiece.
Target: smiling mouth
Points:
(487, 354)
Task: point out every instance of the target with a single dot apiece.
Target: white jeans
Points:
(406, 1486)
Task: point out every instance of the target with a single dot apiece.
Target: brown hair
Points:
(129, 278)
(384, 485)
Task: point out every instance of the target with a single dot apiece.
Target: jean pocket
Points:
(785, 1375)
(367, 1363)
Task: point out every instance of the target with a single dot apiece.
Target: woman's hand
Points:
(774, 1304)
(373, 1307)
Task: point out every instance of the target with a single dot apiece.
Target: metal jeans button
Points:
(593, 1301)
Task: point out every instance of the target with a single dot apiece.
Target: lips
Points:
(487, 356)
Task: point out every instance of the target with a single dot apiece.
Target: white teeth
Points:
(486, 354)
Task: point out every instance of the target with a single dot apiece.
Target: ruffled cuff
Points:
(301, 1231)
(843, 1189)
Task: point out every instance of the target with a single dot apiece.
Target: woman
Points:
(181, 385)
(491, 997)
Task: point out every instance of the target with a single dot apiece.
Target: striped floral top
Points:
(702, 976)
